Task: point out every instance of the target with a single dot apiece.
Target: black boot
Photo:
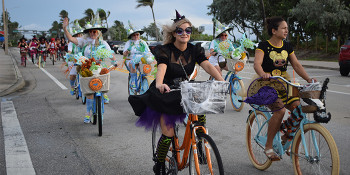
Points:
(159, 168)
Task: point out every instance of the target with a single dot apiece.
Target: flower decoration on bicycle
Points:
(263, 94)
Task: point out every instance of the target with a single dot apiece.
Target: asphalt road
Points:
(60, 143)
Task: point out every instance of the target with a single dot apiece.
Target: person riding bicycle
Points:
(63, 47)
(52, 48)
(22, 45)
(133, 50)
(76, 31)
(33, 45)
(271, 59)
(42, 48)
(90, 43)
(176, 60)
(221, 34)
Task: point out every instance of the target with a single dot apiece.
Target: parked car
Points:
(121, 48)
(344, 58)
(114, 45)
(152, 45)
(205, 45)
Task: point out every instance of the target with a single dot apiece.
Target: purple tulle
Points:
(265, 96)
(150, 118)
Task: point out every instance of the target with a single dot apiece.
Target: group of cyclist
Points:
(55, 48)
(176, 60)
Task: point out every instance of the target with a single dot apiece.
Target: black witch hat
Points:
(178, 17)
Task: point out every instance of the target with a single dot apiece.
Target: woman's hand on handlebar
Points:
(266, 76)
(163, 88)
(311, 80)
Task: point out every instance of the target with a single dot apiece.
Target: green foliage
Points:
(118, 31)
(150, 30)
(11, 26)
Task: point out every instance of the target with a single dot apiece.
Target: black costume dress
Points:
(152, 104)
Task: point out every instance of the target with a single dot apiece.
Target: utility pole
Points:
(4, 16)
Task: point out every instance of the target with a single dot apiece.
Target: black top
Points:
(168, 54)
(275, 57)
(168, 103)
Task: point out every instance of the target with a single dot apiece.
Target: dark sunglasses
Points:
(92, 31)
(180, 31)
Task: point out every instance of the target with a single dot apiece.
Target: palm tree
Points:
(89, 15)
(103, 15)
(143, 3)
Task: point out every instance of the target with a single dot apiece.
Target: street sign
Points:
(54, 32)
(15, 31)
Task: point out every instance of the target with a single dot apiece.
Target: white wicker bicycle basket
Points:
(207, 97)
(95, 83)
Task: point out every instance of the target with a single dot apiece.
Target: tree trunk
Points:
(316, 45)
(155, 24)
(327, 44)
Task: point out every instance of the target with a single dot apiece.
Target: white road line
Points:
(338, 92)
(54, 79)
(17, 156)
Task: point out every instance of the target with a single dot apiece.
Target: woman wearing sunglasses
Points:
(159, 106)
(221, 34)
(133, 48)
(89, 43)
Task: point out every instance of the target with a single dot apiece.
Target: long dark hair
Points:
(273, 23)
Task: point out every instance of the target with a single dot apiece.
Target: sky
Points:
(39, 14)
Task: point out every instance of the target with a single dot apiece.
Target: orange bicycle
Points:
(199, 151)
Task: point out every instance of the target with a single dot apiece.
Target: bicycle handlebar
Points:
(288, 82)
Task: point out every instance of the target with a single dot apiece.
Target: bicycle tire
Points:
(235, 87)
(94, 115)
(302, 165)
(130, 90)
(25, 61)
(83, 100)
(255, 151)
(99, 115)
(53, 60)
(211, 154)
(76, 89)
(144, 85)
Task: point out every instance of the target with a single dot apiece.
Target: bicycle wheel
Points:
(323, 152)
(209, 159)
(25, 61)
(130, 90)
(94, 115)
(144, 85)
(236, 100)
(83, 99)
(53, 60)
(99, 115)
(256, 151)
(76, 88)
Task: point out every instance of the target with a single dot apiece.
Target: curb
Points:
(20, 81)
(311, 66)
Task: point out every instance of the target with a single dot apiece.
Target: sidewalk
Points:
(10, 77)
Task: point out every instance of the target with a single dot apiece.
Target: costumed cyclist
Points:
(42, 48)
(134, 49)
(159, 106)
(22, 45)
(52, 49)
(76, 31)
(90, 43)
(221, 34)
(271, 59)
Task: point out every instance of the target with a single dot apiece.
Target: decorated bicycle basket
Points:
(207, 97)
(94, 77)
(145, 68)
(262, 94)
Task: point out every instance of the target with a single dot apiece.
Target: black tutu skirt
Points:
(151, 105)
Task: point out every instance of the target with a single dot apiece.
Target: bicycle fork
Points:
(205, 158)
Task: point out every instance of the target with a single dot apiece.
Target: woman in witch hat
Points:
(176, 59)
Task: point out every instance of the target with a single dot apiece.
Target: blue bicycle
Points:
(236, 86)
(312, 149)
(142, 84)
(77, 90)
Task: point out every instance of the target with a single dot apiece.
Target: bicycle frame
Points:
(140, 76)
(189, 140)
